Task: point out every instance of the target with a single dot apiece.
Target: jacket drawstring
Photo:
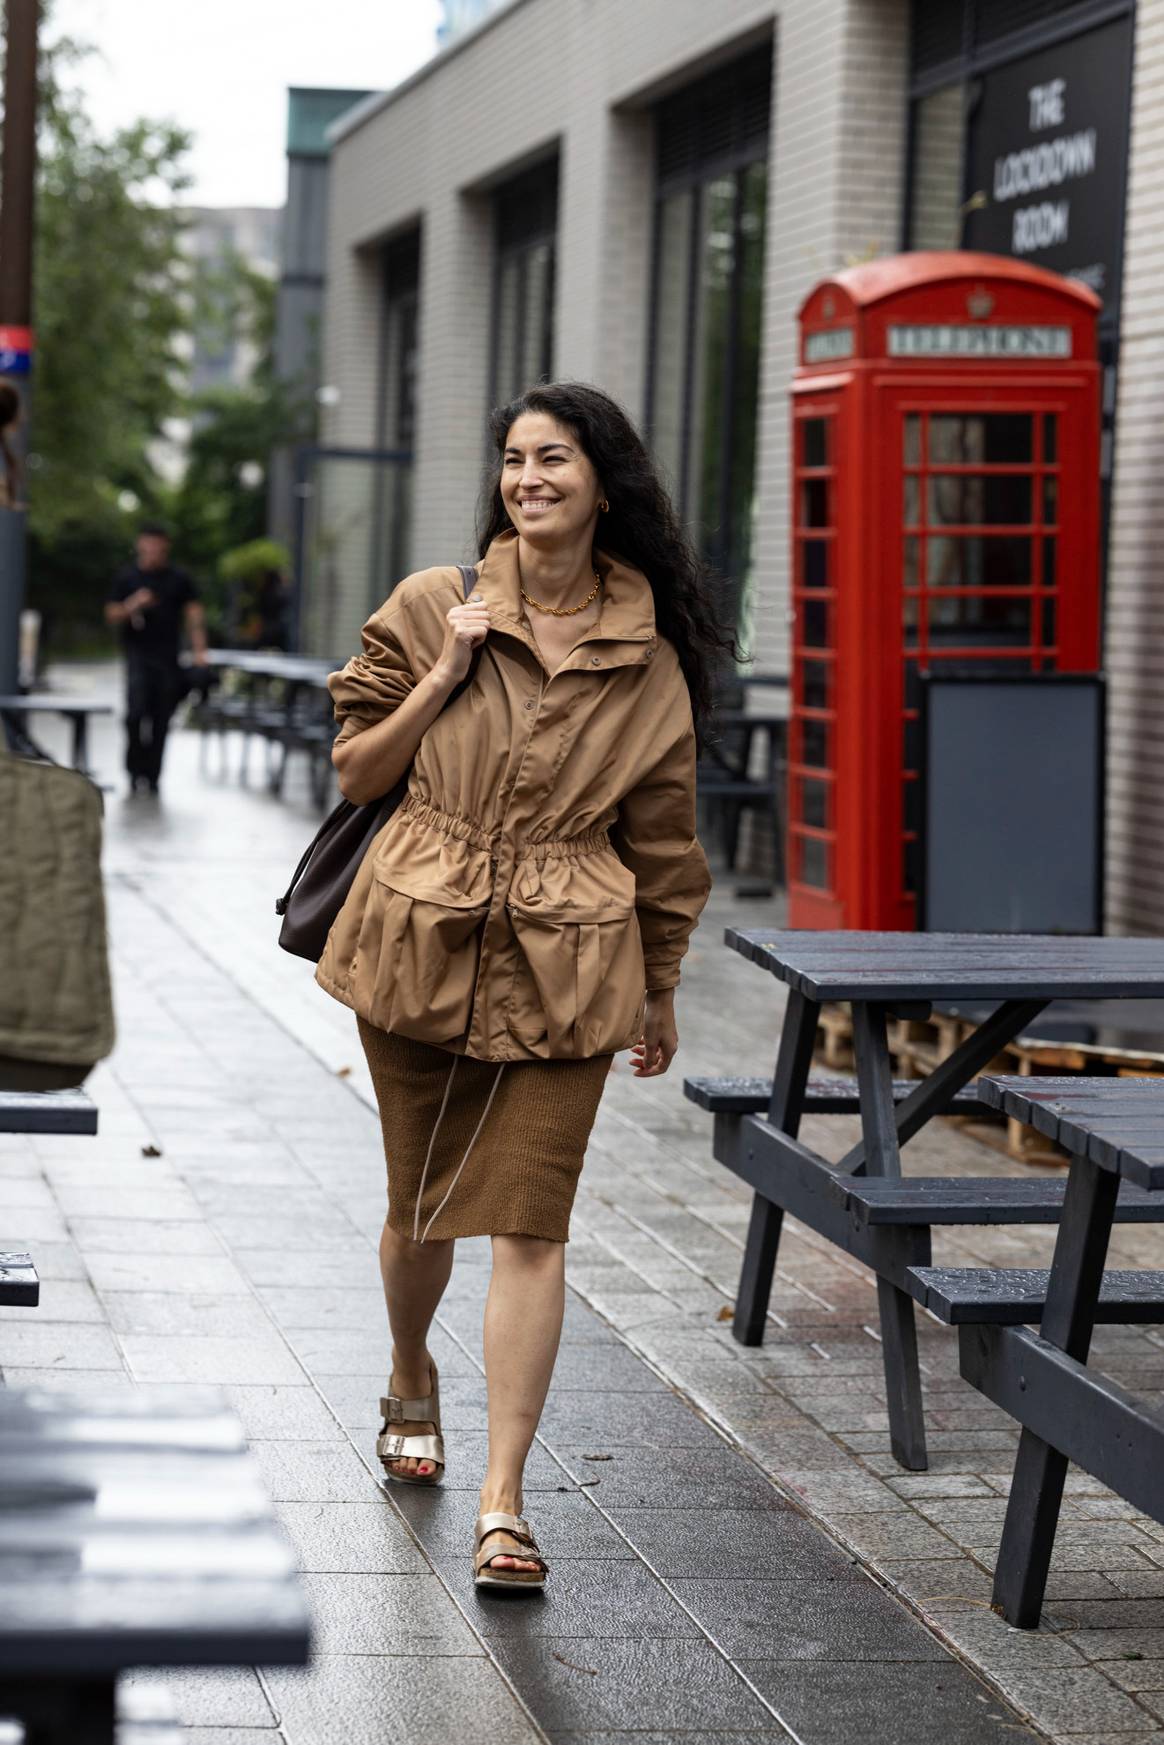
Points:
(432, 1143)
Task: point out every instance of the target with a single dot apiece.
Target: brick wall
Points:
(1134, 627)
(582, 74)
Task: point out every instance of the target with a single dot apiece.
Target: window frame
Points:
(705, 164)
(515, 242)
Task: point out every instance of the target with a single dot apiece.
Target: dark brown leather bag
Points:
(325, 874)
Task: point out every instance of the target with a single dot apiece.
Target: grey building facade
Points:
(641, 196)
(302, 269)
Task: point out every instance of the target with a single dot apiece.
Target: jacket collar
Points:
(625, 629)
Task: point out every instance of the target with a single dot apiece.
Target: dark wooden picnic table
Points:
(134, 1531)
(1114, 1131)
(15, 710)
(285, 720)
(858, 1204)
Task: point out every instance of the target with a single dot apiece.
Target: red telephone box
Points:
(945, 491)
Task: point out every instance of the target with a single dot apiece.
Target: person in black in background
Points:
(152, 601)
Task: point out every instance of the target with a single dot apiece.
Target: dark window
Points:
(400, 351)
(391, 497)
(712, 184)
(525, 226)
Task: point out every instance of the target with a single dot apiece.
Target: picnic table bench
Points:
(1114, 1131)
(14, 712)
(862, 1204)
(299, 718)
(134, 1532)
(37, 1112)
(728, 780)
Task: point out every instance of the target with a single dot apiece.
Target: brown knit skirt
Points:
(504, 1156)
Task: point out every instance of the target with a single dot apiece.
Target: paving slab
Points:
(691, 1595)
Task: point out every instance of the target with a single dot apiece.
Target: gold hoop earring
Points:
(603, 507)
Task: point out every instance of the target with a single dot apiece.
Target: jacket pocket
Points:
(417, 957)
(583, 986)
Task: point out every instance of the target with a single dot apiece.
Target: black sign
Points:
(1047, 158)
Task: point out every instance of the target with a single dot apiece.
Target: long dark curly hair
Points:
(641, 526)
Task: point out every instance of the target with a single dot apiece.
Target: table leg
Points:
(81, 742)
(881, 1156)
(1036, 1492)
(62, 1711)
(793, 1062)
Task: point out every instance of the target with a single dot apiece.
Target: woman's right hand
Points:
(466, 627)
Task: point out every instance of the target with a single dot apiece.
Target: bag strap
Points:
(468, 576)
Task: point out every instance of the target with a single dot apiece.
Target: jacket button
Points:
(594, 660)
(528, 704)
(649, 654)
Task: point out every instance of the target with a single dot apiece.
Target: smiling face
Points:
(549, 487)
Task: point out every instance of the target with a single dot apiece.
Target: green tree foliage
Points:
(221, 502)
(110, 303)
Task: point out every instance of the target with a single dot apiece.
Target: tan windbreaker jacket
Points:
(542, 872)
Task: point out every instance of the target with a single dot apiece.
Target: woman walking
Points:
(523, 915)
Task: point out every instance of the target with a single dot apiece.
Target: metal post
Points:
(17, 195)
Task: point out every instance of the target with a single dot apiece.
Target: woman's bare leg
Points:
(523, 1325)
(415, 1275)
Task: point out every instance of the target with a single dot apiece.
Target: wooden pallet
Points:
(917, 1046)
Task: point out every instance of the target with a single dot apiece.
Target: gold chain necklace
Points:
(564, 611)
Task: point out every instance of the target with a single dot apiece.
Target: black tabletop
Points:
(135, 1531)
(1117, 1122)
(47, 1112)
(43, 703)
(933, 966)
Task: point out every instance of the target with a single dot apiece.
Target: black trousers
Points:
(152, 696)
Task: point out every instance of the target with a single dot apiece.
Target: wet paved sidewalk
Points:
(689, 1596)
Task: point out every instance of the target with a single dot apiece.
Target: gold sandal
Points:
(483, 1572)
(391, 1445)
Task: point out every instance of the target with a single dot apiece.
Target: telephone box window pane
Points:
(911, 805)
(814, 684)
(979, 561)
(912, 507)
(1050, 500)
(913, 440)
(816, 562)
(1048, 623)
(909, 619)
(975, 500)
(994, 437)
(909, 860)
(816, 442)
(973, 618)
(1051, 437)
(816, 623)
(910, 744)
(911, 577)
(815, 744)
(814, 863)
(814, 503)
(1050, 553)
(814, 803)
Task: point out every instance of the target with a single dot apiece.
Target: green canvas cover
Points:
(56, 1003)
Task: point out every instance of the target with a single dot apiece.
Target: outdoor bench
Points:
(728, 783)
(862, 1204)
(134, 1532)
(37, 1112)
(1114, 1131)
(298, 720)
